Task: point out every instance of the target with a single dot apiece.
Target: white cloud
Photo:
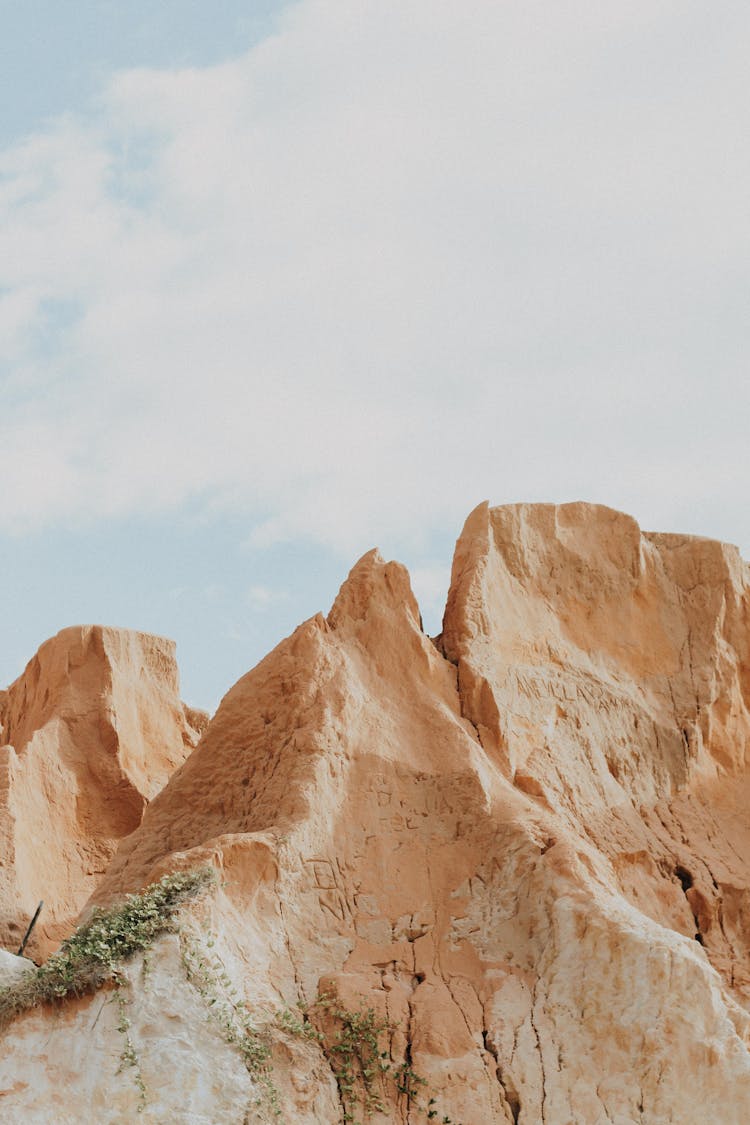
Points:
(397, 258)
(261, 598)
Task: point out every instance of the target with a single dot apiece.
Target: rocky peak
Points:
(521, 847)
(92, 729)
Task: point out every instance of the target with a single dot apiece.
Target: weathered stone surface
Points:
(68, 1067)
(92, 730)
(608, 675)
(506, 842)
(13, 969)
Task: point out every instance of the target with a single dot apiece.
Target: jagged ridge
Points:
(506, 841)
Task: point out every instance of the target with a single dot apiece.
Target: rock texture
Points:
(88, 734)
(13, 969)
(525, 844)
(608, 675)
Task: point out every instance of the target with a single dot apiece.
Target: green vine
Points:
(129, 1056)
(357, 1043)
(360, 1059)
(93, 954)
(207, 974)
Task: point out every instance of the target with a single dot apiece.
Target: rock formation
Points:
(524, 845)
(89, 733)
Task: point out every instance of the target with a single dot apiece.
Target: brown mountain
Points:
(523, 846)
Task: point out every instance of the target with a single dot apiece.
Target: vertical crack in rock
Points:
(287, 938)
(692, 671)
(540, 1052)
(463, 709)
(408, 1055)
(505, 1082)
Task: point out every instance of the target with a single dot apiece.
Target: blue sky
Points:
(57, 57)
(282, 282)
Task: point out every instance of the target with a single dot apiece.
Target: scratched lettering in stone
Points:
(528, 688)
(330, 884)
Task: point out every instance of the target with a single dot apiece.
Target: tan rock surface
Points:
(608, 674)
(505, 842)
(89, 733)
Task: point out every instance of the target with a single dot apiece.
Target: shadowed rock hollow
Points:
(524, 844)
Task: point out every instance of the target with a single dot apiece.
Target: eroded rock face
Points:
(88, 734)
(506, 842)
(608, 675)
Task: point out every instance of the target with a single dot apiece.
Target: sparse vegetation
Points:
(207, 974)
(92, 956)
(129, 1056)
(357, 1043)
(357, 1057)
(358, 1051)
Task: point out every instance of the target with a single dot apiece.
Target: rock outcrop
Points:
(523, 845)
(608, 675)
(89, 733)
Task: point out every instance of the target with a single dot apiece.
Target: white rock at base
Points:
(12, 968)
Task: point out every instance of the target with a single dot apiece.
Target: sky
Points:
(280, 282)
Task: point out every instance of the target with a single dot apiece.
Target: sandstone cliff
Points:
(523, 845)
(89, 733)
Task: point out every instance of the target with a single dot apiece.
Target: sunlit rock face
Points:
(89, 732)
(608, 675)
(524, 844)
